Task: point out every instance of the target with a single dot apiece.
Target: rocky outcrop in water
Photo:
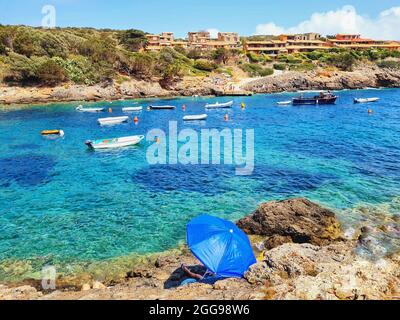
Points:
(294, 220)
(363, 77)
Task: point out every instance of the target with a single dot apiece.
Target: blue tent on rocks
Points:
(220, 246)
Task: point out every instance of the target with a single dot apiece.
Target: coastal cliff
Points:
(306, 256)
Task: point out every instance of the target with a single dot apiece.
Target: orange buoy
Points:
(226, 117)
(158, 140)
(136, 120)
(110, 110)
(370, 111)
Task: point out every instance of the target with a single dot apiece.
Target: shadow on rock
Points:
(179, 275)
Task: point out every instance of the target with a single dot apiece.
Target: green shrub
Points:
(221, 55)
(204, 65)
(255, 70)
(133, 39)
(279, 66)
(389, 64)
(254, 58)
(306, 66)
(344, 61)
(50, 73)
(3, 49)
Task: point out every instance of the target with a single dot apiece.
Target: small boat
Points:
(112, 121)
(59, 133)
(284, 103)
(322, 98)
(132, 109)
(219, 105)
(195, 117)
(366, 100)
(114, 143)
(162, 107)
(93, 110)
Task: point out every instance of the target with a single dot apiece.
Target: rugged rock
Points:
(333, 270)
(294, 220)
(368, 76)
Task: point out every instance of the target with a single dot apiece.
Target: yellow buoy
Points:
(243, 105)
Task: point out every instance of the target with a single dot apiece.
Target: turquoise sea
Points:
(63, 204)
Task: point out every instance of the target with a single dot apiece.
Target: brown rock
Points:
(295, 220)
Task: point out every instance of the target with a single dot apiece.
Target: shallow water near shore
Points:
(63, 205)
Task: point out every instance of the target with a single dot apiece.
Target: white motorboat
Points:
(219, 105)
(114, 143)
(92, 110)
(284, 103)
(112, 121)
(198, 117)
(162, 107)
(132, 109)
(366, 100)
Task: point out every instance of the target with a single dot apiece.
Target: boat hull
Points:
(314, 101)
(219, 105)
(114, 143)
(132, 109)
(162, 107)
(368, 100)
(196, 117)
(90, 110)
(112, 121)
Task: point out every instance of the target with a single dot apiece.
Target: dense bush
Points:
(50, 73)
(389, 64)
(344, 61)
(306, 66)
(133, 39)
(221, 55)
(279, 66)
(255, 70)
(204, 65)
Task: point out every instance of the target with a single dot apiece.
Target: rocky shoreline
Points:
(362, 77)
(302, 254)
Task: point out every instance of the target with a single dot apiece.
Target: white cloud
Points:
(213, 32)
(344, 20)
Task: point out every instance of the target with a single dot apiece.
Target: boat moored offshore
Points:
(365, 100)
(90, 110)
(114, 143)
(162, 107)
(219, 105)
(322, 98)
(53, 133)
(195, 117)
(112, 121)
(132, 109)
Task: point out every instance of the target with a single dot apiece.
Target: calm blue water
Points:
(62, 203)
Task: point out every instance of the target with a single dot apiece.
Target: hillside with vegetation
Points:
(49, 57)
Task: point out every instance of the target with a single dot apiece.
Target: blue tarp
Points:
(220, 245)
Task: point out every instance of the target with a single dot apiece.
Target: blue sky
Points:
(181, 16)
